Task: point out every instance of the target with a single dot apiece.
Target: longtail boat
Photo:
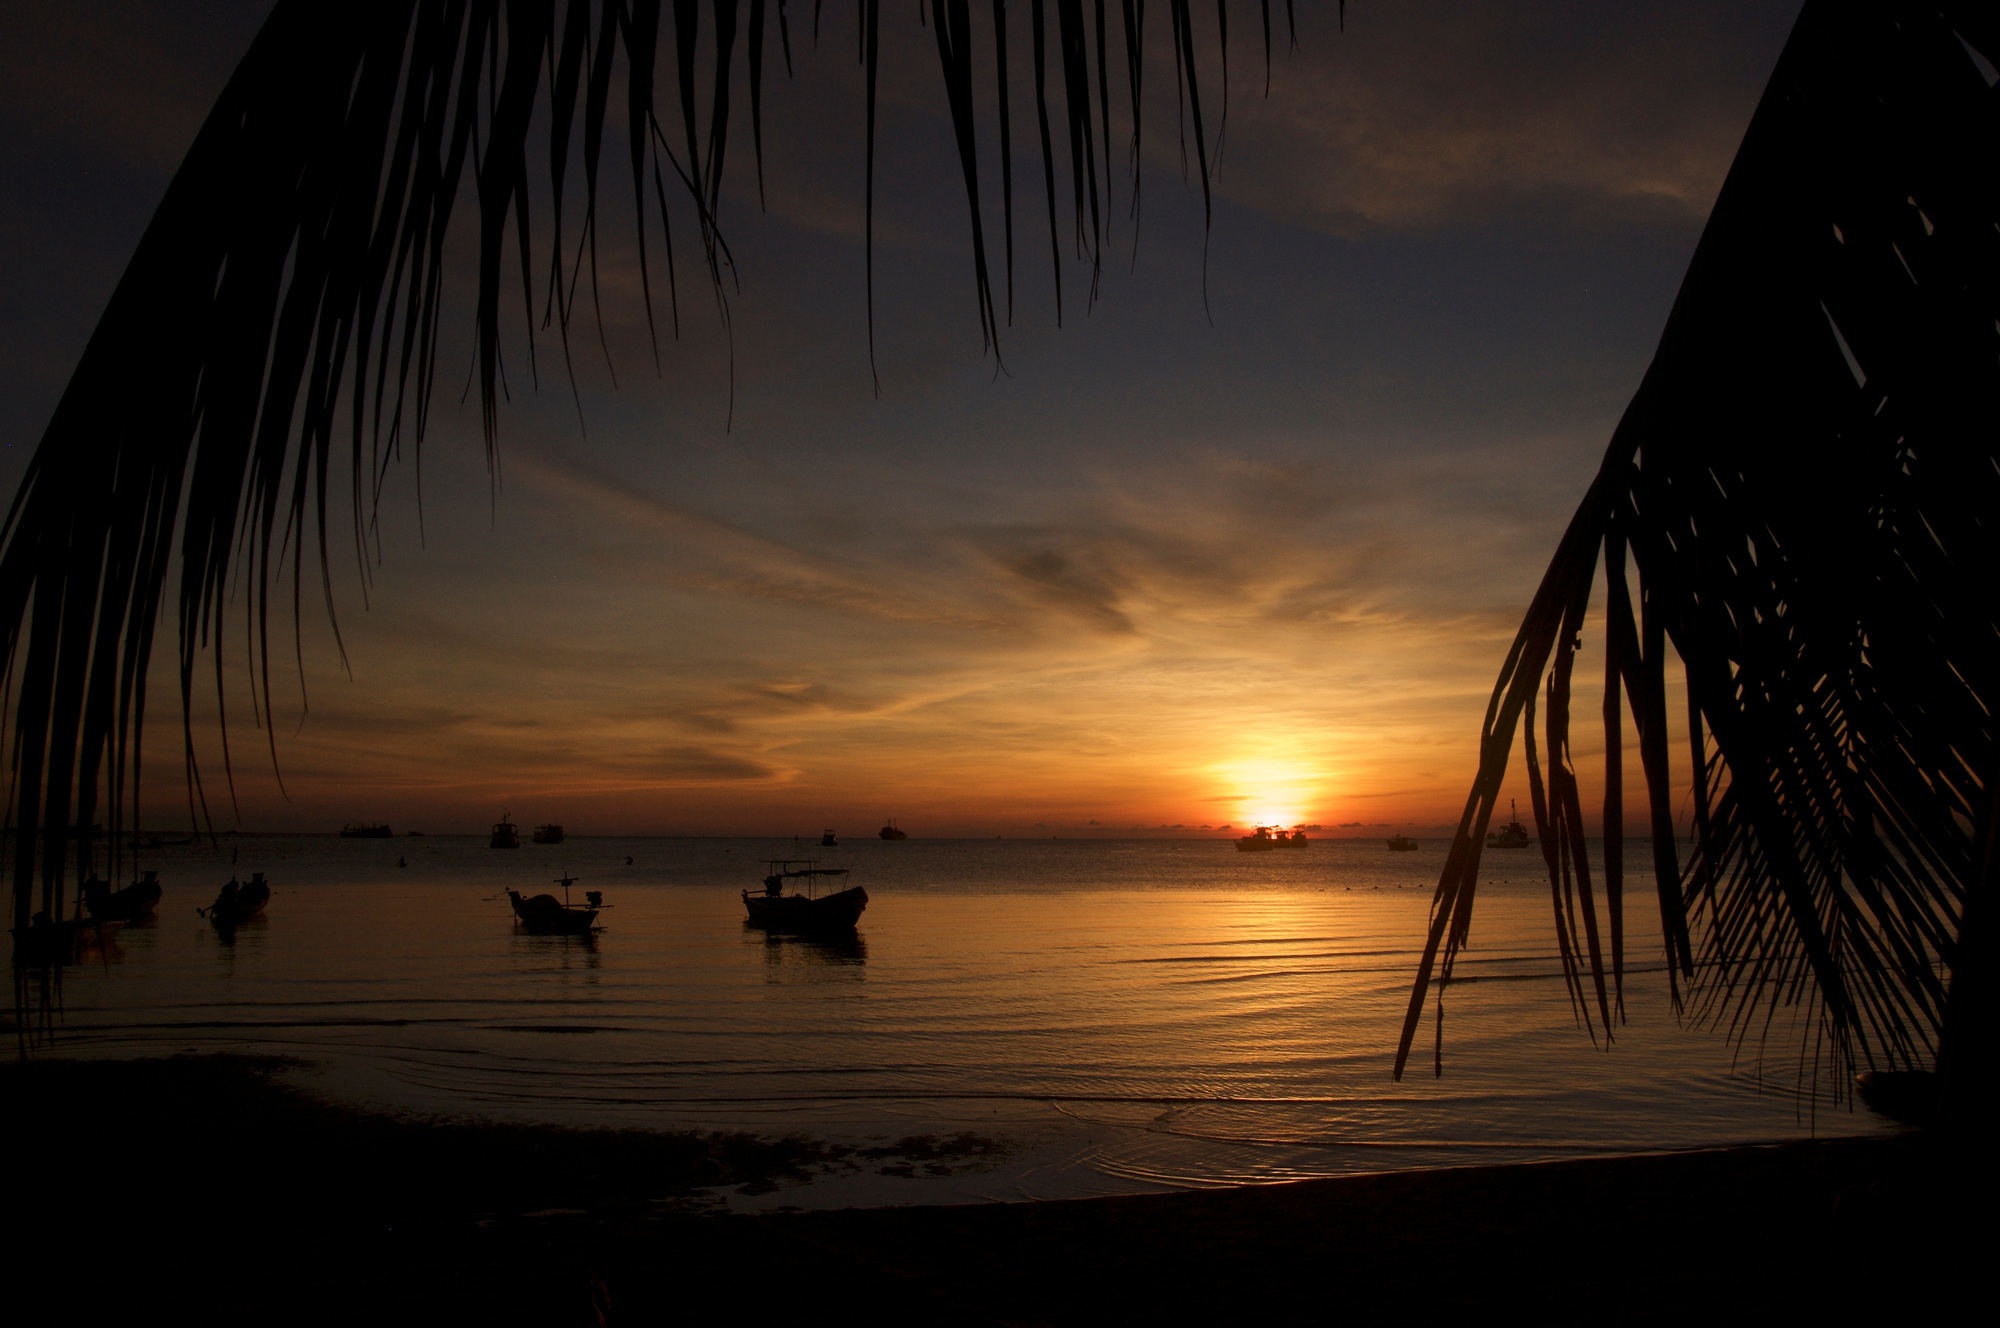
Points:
(545, 915)
(810, 913)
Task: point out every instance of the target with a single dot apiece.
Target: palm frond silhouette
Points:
(1805, 487)
(284, 307)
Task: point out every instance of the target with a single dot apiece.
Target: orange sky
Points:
(1230, 547)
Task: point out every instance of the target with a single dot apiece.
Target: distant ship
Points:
(356, 830)
(1402, 844)
(889, 831)
(548, 834)
(827, 839)
(1267, 837)
(1511, 835)
(505, 833)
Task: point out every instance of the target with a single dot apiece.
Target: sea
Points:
(1033, 1019)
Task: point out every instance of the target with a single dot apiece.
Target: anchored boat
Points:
(1511, 835)
(505, 833)
(135, 901)
(238, 902)
(808, 913)
(1267, 837)
(545, 915)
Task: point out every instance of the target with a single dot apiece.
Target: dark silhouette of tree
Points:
(1807, 487)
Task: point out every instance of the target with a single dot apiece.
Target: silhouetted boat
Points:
(505, 833)
(1265, 838)
(809, 913)
(135, 901)
(238, 901)
(548, 834)
(1402, 844)
(889, 831)
(827, 839)
(545, 915)
(356, 830)
(1511, 835)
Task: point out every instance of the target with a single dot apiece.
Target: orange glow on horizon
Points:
(1275, 791)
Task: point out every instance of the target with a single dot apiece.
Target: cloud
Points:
(1439, 114)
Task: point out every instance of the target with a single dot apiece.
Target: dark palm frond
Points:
(1807, 483)
(281, 318)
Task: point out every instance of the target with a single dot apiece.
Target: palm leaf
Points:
(281, 317)
(1806, 482)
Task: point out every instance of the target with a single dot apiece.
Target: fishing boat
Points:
(545, 915)
(1513, 834)
(548, 834)
(356, 830)
(505, 833)
(889, 831)
(1402, 844)
(810, 913)
(135, 901)
(827, 839)
(238, 902)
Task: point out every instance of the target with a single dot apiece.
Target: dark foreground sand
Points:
(195, 1188)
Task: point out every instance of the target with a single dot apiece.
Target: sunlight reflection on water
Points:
(1125, 1016)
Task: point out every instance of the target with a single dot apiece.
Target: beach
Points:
(201, 1186)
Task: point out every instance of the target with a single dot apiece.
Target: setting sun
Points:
(1272, 791)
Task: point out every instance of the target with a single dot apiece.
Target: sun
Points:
(1271, 790)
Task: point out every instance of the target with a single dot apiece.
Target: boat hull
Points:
(545, 915)
(135, 901)
(233, 908)
(796, 913)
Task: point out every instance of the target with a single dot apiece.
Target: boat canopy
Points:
(787, 869)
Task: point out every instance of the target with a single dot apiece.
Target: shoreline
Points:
(199, 1183)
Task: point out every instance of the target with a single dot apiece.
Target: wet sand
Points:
(199, 1186)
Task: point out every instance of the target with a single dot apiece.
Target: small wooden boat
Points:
(1511, 835)
(548, 834)
(505, 833)
(1402, 844)
(135, 901)
(806, 914)
(889, 831)
(545, 915)
(238, 902)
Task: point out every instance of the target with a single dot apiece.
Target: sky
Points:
(1242, 541)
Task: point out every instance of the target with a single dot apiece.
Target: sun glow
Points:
(1272, 791)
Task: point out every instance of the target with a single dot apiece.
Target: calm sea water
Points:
(1119, 1016)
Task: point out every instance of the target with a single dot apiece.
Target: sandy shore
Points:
(197, 1184)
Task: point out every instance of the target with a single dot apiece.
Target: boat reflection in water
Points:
(833, 950)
